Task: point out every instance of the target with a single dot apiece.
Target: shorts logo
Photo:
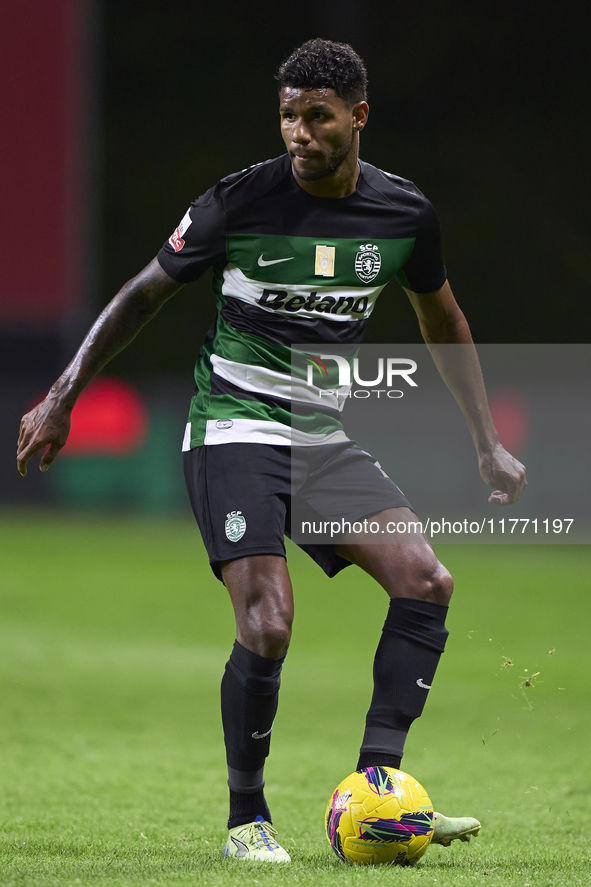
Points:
(235, 526)
(368, 262)
(223, 423)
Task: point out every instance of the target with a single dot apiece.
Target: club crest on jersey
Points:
(235, 526)
(324, 265)
(368, 262)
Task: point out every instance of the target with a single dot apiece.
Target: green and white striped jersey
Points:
(292, 268)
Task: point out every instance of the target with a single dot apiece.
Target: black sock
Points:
(376, 759)
(250, 688)
(245, 807)
(413, 639)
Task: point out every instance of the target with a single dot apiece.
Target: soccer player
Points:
(301, 247)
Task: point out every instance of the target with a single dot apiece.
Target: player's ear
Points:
(360, 113)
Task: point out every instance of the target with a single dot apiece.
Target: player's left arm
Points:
(442, 324)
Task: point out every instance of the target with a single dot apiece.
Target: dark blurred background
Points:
(118, 112)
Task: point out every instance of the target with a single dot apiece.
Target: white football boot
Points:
(448, 828)
(255, 840)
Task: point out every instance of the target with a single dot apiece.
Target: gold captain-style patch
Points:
(325, 256)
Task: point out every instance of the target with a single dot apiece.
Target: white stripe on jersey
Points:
(265, 381)
(237, 285)
(274, 433)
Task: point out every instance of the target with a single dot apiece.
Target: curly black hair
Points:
(323, 64)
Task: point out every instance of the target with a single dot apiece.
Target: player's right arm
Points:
(46, 427)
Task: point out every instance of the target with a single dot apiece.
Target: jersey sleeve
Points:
(424, 271)
(198, 242)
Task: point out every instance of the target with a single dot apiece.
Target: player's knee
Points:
(444, 585)
(431, 583)
(275, 639)
(441, 585)
(266, 633)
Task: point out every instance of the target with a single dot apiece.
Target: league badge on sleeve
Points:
(368, 262)
(176, 240)
(235, 526)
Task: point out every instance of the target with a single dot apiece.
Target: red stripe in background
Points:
(510, 412)
(41, 86)
(111, 418)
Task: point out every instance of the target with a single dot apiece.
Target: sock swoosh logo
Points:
(263, 263)
(423, 686)
(262, 735)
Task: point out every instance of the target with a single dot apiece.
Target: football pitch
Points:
(113, 638)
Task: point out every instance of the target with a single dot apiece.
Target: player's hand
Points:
(45, 427)
(503, 472)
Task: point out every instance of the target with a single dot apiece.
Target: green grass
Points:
(113, 637)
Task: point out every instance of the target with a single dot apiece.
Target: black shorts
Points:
(247, 496)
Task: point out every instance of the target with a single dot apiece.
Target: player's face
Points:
(319, 130)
